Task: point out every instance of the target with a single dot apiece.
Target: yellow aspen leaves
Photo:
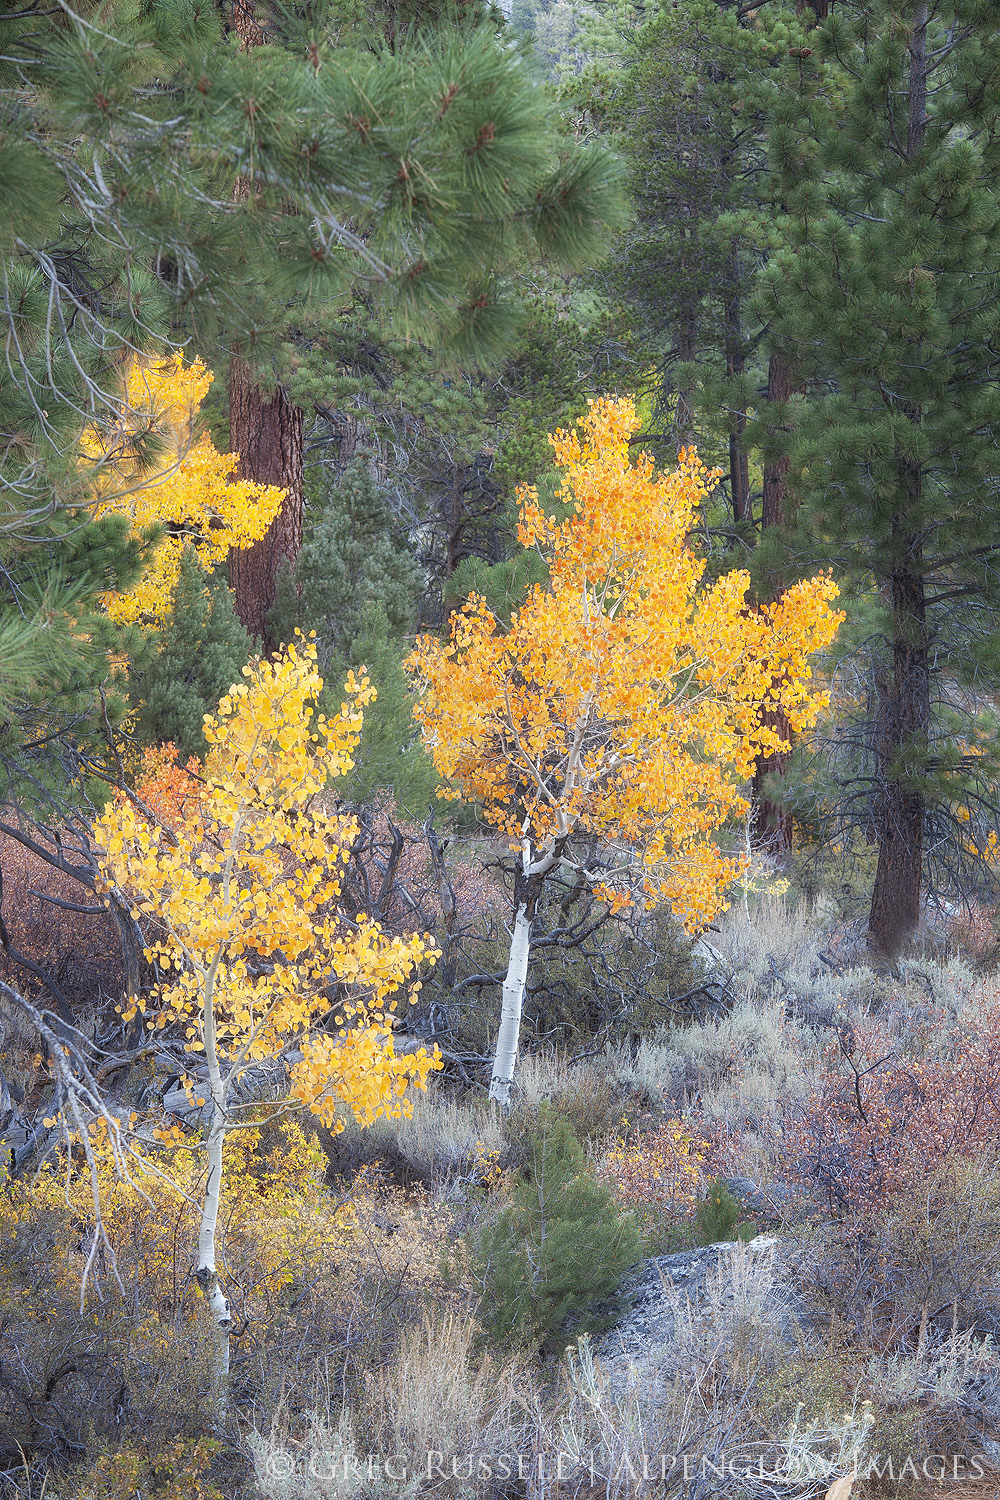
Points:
(241, 882)
(624, 701)
(191, 491)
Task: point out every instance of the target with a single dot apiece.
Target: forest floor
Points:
(853, 1113)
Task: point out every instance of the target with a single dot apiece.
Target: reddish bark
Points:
(772, 826)
(267, 433)
(903, 725)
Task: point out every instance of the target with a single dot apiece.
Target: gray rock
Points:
(685, 1309)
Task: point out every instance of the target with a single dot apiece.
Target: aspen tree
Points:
(623, 705)
(259, 969)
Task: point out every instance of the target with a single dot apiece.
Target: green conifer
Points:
(689, 98)
(354, 553)
(198, 655)
(356, 585)
(391, 755)
(886, 299)
(559, 1248)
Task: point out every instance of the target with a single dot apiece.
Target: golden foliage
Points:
(192, 493)
(277, 1218)
(662, 1168)
(256, 959)
(625, 700)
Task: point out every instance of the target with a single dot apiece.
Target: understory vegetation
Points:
(438, 1284)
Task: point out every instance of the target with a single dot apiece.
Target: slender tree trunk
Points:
(527, 889)
(505, 1058)
(905, 719)
(739, 459)
(267, 433)
(772, 827)
(458, 519)
(215, 1302)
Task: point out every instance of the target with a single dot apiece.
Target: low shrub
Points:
(917, 1269)
(888, 1111)
(127, 1359)
(719, 1217)
(175, 1469)
(588, 1099)
(657, 1175)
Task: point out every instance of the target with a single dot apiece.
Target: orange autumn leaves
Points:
(624, 701)
(243, 882)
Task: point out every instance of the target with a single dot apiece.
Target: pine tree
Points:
(887, 299)
(471, 170)
(157, 182)
(199, 654)
(698, 86)
(689, 101)
(58, 649)
(81, 239)
(355, 553)
(391, 754)
(560, 1246)
(356, 586)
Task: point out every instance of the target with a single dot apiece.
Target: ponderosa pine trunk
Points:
(772, 826)
(267, 432)
(739, 459)
(905, 713)
(904, 720)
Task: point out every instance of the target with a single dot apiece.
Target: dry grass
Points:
(433, 1403)
(441, 1143)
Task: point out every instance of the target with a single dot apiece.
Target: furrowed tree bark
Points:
(772, 827)
(267, 432)
(898, 813)
(739, 459)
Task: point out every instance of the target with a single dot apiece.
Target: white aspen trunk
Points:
(215, 1300)
(505, 1060)
(207, 1275)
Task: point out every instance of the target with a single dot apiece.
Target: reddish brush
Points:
(887, 1113)
(78, 949)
